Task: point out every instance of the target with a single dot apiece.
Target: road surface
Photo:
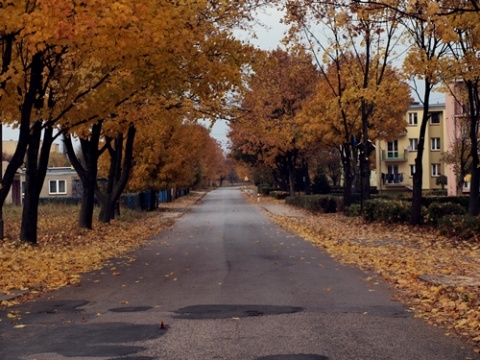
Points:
(224, 283)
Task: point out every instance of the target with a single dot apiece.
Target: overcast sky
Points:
(268, 37)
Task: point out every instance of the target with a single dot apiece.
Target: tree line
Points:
(344, 80)
(126, 81)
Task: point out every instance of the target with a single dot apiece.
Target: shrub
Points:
(463, 227)
(353, 210)
(428, 200)
(314, 203)
(320, 184)
(280, 195)
(438, 210)
(64, 200)
(386, 211)
(265, 190)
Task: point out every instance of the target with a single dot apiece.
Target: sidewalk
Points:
(437, 277)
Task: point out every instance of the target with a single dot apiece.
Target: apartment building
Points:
(396, 158)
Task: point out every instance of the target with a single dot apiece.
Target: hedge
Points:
(265, 190)
(463, 227)
(315, 203)
(438, 210)
(428, 200)
(280, 195)
(395, 211)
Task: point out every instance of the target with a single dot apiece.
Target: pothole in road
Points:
(232, 311)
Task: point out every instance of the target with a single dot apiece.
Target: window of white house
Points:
(413, 144)
(23, 188)
(412, 169)
(412, 118)
(57, 187)
(435, 143)
(435, 117)
(436, 170)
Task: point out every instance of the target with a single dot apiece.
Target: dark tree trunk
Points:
(36, 170)
(346, 155)
(474, 103)
(364, 162)
(87, 172)
(120, 166)
(291, 173)
(18, 157)
(306, 179)
(416, 212)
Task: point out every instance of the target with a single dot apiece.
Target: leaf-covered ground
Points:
(65, 251)
(438, 278)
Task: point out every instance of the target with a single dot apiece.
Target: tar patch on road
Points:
(89, 340)
(202, 312)
(130, 309)
(135, 358)
(294, 357)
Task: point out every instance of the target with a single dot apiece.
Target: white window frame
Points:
(413, 168)
(413, 144)
(436, 169)
(412, 118)
(57, 187)
(435, 144)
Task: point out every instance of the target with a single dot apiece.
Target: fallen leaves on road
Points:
(409, 258)
(65, 251)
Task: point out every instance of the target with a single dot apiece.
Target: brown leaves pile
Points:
(437, 277)
(65, 251)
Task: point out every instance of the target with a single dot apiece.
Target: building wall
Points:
(59, 182)
(399, 162)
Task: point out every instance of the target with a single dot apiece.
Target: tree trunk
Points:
(118, 175)
(474, 104)
(346, 156)
(35, 177)
(306, 179)
(87, 172)
(24, 129)
(416, 212)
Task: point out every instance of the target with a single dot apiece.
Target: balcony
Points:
(395, 156)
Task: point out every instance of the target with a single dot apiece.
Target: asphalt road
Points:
(224, 283)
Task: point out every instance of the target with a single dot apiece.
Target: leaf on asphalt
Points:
(402, 255)
(65, 251)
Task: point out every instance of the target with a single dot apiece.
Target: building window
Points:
(435, 144)
(412, 169)
(412, 118)
(393, 176)
(436, 170)
(435, 118)
(57, 187)
(413, 144)
(392, 149)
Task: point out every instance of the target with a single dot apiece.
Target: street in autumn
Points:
(224, 282)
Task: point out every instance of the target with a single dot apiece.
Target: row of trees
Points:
(106, 74)
(357, 94)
